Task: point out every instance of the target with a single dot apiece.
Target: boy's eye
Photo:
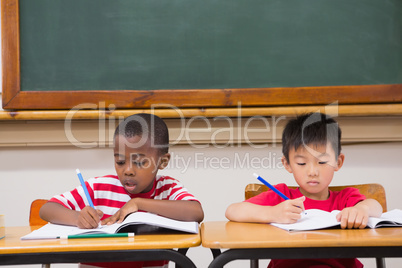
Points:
(301, 164)
(120, 163)
(140, 163)
(323, 162)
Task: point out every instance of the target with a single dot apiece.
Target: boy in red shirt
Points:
(312, 152)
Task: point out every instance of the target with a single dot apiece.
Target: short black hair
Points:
(148, 125)
(311, 128)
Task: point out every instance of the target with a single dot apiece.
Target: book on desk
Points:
(137, 223)
(315, 219)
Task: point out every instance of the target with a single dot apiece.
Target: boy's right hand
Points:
(289, 211)
(89, 218)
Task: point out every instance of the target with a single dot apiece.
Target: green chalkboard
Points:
(192, 44)
(58, 54)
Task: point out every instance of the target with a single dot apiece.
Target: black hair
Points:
(311, 128)
(146, 125)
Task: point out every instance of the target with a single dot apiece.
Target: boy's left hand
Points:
(121, 214)
(353, 217)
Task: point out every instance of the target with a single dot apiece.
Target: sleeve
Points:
(75, 199)
(178, 192)
(172, 189)
(270, 198)
(350, 197)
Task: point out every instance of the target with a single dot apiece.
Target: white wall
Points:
(28, 173)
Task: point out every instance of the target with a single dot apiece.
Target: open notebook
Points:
(318, 219)
(138, 223)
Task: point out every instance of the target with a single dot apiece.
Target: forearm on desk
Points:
(175, 209)
(248, 212)
(373, 207)
(56, 213)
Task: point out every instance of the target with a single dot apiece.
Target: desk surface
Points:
(12, 244)
(263, 241)
(223, 234)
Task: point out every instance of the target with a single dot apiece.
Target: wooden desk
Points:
(139, 248)
(263, 241)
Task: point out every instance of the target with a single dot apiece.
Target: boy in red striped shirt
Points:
(141, 144)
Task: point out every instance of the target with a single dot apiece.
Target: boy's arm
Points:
(288, 211)
(248, 212)
(357, 216)
(87, 218)
(182, 210)
(373, 206)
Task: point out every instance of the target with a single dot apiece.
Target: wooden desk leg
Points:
(47, 265)
(380, 262)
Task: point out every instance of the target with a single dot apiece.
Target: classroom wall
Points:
(217, 176)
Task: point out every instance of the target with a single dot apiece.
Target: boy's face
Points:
(137, 163)
(313, 169)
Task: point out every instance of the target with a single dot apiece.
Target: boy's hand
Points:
(120, 215)
(353, 217)
(89, 218)
(289, 211)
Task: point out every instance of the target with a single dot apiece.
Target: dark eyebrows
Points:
(319, 156)
(137, 155)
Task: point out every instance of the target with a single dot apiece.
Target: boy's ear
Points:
(286, 164)
(164, 161)
(340, 161)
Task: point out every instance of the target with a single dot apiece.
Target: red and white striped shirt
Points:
(109, 195)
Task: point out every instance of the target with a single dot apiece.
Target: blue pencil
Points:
(271, 187)
(85, 188)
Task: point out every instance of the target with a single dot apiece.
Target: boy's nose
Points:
(129, 171)
(313, 171)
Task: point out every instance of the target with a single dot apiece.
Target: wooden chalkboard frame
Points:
(14, 98)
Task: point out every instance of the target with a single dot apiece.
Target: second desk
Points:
(255, 241)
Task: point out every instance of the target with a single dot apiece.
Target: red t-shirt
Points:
(348, 197)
